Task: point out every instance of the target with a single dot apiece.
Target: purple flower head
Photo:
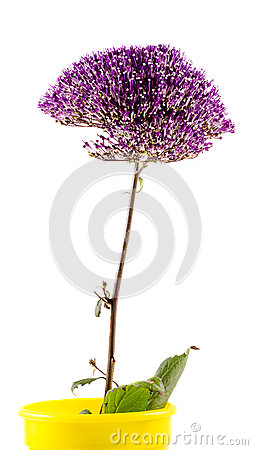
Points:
(150, 103)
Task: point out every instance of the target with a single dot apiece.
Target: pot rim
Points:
(38, 411)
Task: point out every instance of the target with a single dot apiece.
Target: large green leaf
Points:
(83, 382)
(169, 371)
(153, 384)
(127, 399)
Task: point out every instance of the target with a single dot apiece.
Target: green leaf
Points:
(141, 184)
(83, 382)
(98, 308)
(126, 399)
(85, 411)
(169, 371)
(153, 384)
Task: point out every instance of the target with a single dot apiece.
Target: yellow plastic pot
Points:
(57, 425)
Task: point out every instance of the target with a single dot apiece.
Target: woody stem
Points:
(114, 304)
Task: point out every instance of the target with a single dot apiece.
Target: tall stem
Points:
(114, 305)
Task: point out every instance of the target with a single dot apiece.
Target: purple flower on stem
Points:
(150, 102)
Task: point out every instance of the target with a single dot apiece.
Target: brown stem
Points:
(111, 349)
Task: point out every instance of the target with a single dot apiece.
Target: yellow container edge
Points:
(32, 412)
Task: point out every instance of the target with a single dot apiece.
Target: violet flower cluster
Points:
(150, 102)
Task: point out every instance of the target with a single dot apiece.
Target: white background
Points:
(48, 329)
